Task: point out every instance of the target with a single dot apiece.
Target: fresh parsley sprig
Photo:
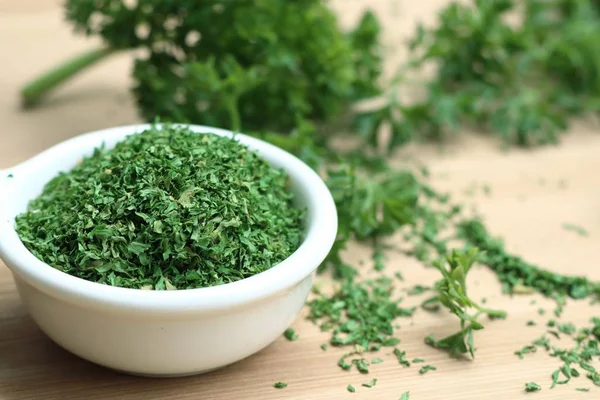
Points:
(452, 294)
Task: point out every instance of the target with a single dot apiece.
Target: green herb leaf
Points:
(370, 384)
(389, 342)
(426, 368)
(567, 328)
(525, 350)
(362, 365)
(417, 290)
(290, 334)
(575, 228)
(532, 387)
(452, 294)
(401, 356)
(343, 364)
(280, 385)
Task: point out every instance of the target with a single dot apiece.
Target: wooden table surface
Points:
(533, 194)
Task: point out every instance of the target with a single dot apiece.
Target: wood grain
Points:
(533, 194)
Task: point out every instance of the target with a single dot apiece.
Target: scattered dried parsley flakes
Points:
(532, 387)
(370, 384)
(577, 360)
(290, 334)
(165, 209)
(358, 314)
(426, 368)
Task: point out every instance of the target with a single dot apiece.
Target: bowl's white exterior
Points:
(166, 333)
(144, 344)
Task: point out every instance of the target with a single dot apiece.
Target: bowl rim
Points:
(319, 238)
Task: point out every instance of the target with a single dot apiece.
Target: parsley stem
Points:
(32, 93)
(234, 114)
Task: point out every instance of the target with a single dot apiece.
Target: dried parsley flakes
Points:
(401, 356)
(582, 355)
(426, 368)
(513, 271)
(290, 334)
(358, 314)
(165, 209)
(370, 384)
(532, 387)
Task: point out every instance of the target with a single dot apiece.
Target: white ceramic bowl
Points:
(162, 333)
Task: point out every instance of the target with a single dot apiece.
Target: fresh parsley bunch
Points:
(519, 73)
(257, 63)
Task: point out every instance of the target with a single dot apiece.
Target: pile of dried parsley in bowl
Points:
(165, 209)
